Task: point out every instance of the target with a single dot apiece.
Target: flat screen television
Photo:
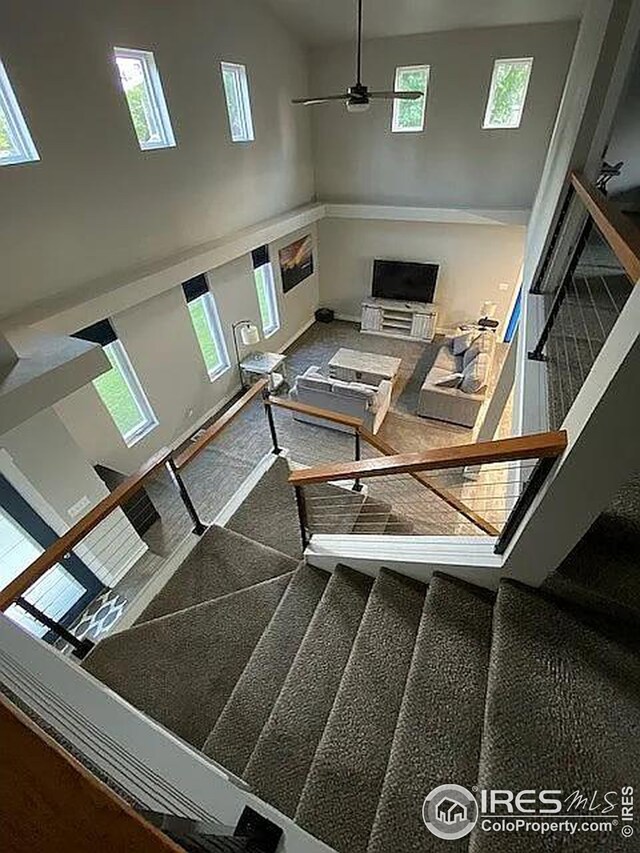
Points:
(403, 280)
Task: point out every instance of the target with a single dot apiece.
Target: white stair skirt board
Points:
(222, 518)
(470, 558)
(155, 767)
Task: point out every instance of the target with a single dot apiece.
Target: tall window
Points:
(508, 92)
(266, 290)
(206, 325)
(16, 144)
(408, 116)
(143, 90)
(119, 388)
(236, 92)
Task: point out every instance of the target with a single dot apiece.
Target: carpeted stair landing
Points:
(343, 699)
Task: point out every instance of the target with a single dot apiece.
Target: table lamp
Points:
(249, 335)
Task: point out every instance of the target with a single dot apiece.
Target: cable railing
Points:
(131, 532)
(585, 292)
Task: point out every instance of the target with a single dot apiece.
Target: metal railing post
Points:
(357, 485)
(524, 501)
(272, 424)
(81, 648)
(198, 528)
(302, 516)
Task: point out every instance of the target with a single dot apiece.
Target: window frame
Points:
(214, 327)
(243, 95)
(271, 298)
(122, 363)
(20, 138)
(397, 104)
(527, 61)
(155, 95)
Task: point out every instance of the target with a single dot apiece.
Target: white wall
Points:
(162, 346)
(95, 204)
(453, 163)
(474, 259)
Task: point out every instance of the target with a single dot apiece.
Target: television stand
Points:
(394, 318)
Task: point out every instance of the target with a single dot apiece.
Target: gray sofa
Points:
(367, 402)
(458, 402)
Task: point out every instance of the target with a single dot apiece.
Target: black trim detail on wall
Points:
(260, 256)
(101, 333)
(195, 287)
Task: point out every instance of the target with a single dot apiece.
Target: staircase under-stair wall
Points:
(343, 699)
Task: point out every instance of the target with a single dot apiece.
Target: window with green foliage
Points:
(267, 302)
(508, 92)
(122, 394)
(16, 144)
(206, 325)
(236, 92)
(408, 116)
(143, 90)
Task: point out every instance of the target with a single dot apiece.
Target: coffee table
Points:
(351, 365)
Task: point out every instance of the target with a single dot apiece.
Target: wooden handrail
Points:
(62, 546)
(314, 411)
(538, 446)
(618, 230)
(447, 496)
(49, 801)
(208, 435)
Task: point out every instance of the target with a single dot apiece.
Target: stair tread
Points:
(280, 761)
(339, 799)
(181, 668)
(439, 730)
(214, 569)
(373, 517)
(240, 723)
(563, 709)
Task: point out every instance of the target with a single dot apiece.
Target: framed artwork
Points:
(296, 262)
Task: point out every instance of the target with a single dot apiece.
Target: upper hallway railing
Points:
(478, 489)
(109, 535)
(590, 269)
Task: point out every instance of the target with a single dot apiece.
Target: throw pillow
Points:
(475, 374)
(483, 343)
(451, 380)
(463, 341)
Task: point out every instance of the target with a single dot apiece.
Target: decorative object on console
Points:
(458, 405)
(356, 399)
(487, 313)
(249, 335)
(296, 262)
(395, 319)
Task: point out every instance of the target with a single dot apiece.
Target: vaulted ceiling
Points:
(326, 21)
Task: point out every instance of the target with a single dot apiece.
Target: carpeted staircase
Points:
(343, 700)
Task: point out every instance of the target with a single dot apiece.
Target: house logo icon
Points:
(450, 811)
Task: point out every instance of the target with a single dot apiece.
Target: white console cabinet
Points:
(395, 319)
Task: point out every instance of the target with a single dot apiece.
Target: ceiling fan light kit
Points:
(358, 97)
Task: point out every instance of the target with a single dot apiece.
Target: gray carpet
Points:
(437, 739)
(238, 727)
(213, 569)
(562, 712)
(181, 668)
(289, 739)
(340, 795)
(269, 514)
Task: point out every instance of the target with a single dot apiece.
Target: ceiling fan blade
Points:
(308, 101)
(399, 96)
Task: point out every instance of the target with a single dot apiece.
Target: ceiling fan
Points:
(357, 98)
